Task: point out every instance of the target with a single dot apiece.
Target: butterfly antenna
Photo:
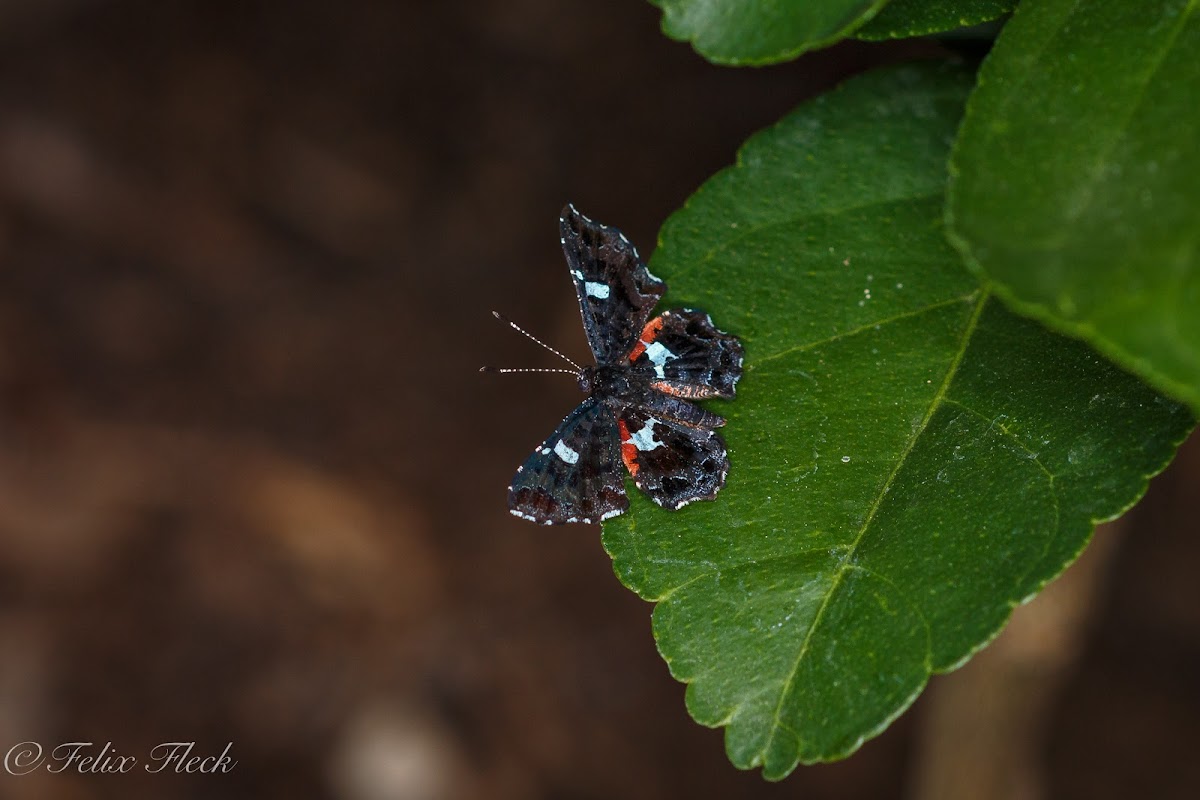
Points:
(578, 369)
(507, 369)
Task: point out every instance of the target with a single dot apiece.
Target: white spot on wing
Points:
(597, 290)
(565, 453)
(658, 356)
(644, 439)
(610, 514)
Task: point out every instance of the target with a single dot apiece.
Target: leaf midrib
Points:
(844, 565)
(633, 538)
(1057, 240)
(1120, 129)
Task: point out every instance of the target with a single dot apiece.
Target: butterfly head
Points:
(604, 379)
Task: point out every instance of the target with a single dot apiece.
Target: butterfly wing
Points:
(682, 353)
(673, 463)
(616, 292)
(575, 475)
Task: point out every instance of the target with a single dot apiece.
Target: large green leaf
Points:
(761, 31)
(909, 459)
(901, 18)
(1077, 178)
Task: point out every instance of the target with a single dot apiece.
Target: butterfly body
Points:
(638, 413)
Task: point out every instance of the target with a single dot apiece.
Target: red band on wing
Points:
(629, 450)
(649, 334)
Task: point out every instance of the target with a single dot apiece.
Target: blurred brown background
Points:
(252, 485)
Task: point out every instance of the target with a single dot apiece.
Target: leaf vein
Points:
(995, 422)
(800, 348)
(758, 562)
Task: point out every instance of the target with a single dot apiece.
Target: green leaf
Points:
(909, 459)
(1077, 178)
(761, 31)
(902, 18)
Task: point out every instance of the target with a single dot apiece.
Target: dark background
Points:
(252, 484)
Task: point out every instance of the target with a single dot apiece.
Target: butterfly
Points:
(638, 410)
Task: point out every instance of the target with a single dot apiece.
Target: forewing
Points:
(682, 353)
(672, 463)
(575, 475)
(616, 292)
